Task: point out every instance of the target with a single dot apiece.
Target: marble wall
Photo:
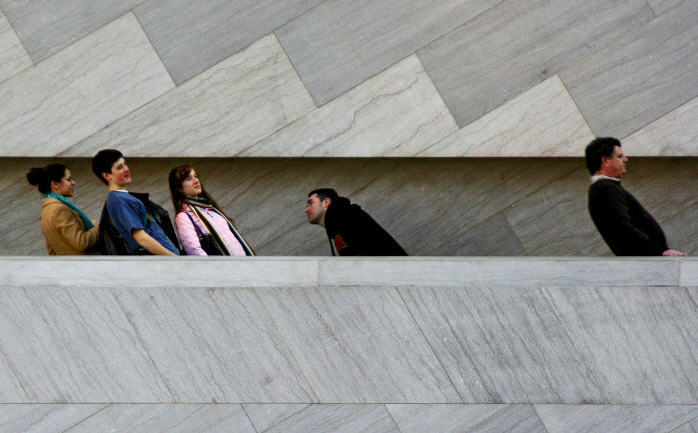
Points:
(443, 207)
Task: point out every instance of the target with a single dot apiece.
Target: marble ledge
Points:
(80, 90)
(99, 271)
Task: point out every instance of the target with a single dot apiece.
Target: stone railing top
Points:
(335, 271)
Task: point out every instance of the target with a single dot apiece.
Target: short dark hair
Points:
(103, 161)
(600, 147)
(43, 176)
(323, 193)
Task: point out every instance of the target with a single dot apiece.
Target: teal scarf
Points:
(85, 220)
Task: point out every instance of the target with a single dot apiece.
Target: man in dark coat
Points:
(351, 231)
(627, 228)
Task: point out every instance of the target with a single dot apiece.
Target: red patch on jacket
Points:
(339, 243)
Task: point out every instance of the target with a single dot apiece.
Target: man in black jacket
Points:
(627, 228)
(351, 231)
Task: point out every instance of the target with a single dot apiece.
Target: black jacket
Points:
(354, 233)
(627, 228)
(111, 241)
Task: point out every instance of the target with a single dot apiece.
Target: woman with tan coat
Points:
(66, 228)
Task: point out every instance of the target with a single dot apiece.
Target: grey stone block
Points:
(337, 418)
(168, 418)
(661, 6)
(640, 77)
(442, 418)
(614, 419)
(193, 36)
(502, 345)
(640, 343)
(46, 26)
(75, 345)
(41, 418)
(265, 416)
(514, 419)
(675, 134)
(339, 44)
(518, 44)
(13, 57)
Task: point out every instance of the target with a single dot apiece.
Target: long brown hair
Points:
(176, 177)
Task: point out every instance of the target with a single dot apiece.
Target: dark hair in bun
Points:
(42, 177)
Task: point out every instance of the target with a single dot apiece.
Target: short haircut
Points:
(600, 147)
(103, 161)
(323, 193)
(43, 176)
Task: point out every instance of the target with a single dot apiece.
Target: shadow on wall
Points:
(443, 207)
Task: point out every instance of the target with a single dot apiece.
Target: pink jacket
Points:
(189, 238)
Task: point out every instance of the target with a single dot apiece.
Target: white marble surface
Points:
(502, 345)
(167, 418)
(13, 56)
(498, 272)
(543, 121)
(639, 342)
(265, 416)
(674, 134)
(516, 418)
(347, 271)
(338, 418)
(396, 113)
(216, 345)
(442, 418)
(43, 418)
(80, 90)
(614, 419)
(75, 345)
(219, 112)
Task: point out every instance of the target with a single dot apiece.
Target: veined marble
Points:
(13, 57)
(167, 418)
(75, 345)
(220, 112)
(639, 342)
(661, 6)
(543, 121)
(442, 418)
(689, 275)
(614, 419)
(46, 27)
(641, 76)
(42, 418)
(265, 416)
(502, 345)
(338, 418)
(339, 44)
(514, 419)
(674, 134)
(80, 90)
(396, 113)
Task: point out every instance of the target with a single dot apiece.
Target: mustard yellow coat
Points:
(64, 230)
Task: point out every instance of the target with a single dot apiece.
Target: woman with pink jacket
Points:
(202, 227)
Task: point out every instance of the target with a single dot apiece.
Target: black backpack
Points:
(113, 244)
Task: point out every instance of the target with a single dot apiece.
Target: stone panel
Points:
(543, 121)
(502, 345)
(442, 418)
(218, 113)
(675, 134)
(75, 345)
(339, 44)
(46, 26)
(80, 90)
(518, 44)
(42, 418)
(395, 113)
(514, 419)
(265, 416)
(661, 6)
(193, 36)
(614, 419)
(640, 343)
(640, 77)
(337, 418)
(167, 418)
(13, 57)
